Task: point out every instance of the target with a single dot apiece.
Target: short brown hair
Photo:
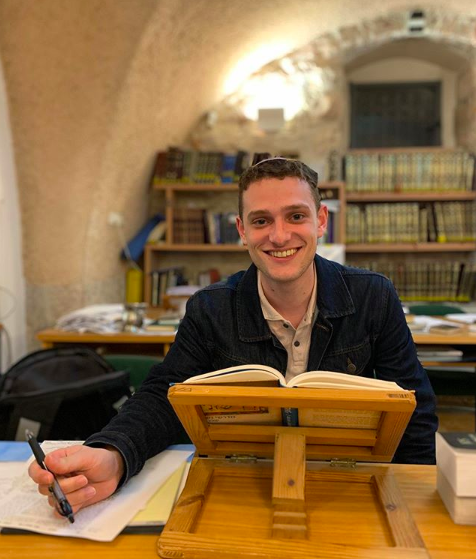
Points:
(278, 168)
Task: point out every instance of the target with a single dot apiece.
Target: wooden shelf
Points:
(410, 247)
(195, 248)
(194, 187)
(409, 149)
(174, 193)
(224, 187)
(409, 196)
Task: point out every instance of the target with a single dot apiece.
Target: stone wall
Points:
(322, 126)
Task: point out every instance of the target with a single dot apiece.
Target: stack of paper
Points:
(22, 507)
(468, 319)
(456, 475)
(441, 353)
(101, 319)
(423, 323)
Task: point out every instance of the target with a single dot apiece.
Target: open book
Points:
(262, 375)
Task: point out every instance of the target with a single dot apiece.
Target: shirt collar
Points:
(333, 299)
(270, 313)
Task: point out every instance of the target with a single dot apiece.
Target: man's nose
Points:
(279, 234)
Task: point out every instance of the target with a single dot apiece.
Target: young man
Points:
(291, 309)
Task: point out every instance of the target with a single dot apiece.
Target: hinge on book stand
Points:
(243, 458)
(343, 463)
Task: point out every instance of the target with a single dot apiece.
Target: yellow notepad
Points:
(159, 507)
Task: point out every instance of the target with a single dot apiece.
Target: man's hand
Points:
(86, 475)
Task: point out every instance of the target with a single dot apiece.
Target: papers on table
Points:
(467, 318)
(101, 319)
(421, 323)
(21, 506)
(160, 506)
(441, 353)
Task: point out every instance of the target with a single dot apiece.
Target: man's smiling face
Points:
(281, 226)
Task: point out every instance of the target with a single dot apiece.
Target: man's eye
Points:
(259, 222)
(297, 217)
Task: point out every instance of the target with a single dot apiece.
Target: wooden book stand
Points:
(261, 490)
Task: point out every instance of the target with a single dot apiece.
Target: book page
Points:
(239, 374)
(331, 379)
(21, 506)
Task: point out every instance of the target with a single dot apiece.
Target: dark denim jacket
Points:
(360, 329)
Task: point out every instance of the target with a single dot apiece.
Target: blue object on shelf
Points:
(137, 243)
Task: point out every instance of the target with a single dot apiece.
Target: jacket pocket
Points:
(351, 360)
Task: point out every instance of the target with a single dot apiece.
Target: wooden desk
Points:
(442, 339)
(455, 340)
(443, 539)
(121, 342)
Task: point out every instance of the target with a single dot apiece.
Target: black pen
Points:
(64, 508)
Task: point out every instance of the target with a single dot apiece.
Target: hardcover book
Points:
(456, 459)
(456, 475)
(262, 375)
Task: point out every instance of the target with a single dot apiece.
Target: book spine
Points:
(290, 417)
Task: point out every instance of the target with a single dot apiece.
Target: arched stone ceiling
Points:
(421, 48)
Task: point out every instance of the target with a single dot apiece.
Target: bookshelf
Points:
(412, 198)
(425, 198)
(224, 256)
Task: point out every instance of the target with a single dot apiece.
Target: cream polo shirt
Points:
(295, 341)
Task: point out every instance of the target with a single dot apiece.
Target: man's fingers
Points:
(38, 475)
(77, 499)
(67, 484)
(68, 460)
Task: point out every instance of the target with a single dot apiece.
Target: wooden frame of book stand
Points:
(290, 447)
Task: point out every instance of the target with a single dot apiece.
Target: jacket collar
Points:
(333, 299)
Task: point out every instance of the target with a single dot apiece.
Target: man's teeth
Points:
(283, 253)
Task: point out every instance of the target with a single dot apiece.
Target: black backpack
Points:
(60, 394)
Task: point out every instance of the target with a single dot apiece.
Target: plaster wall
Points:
(12, 284)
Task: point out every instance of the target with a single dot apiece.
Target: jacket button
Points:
(351, 368)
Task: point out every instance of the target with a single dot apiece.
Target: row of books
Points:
(429, 280)
(198, 226)
(408, 172)
(203, 167)
(331, 235)
(411, 222)
(161, 280)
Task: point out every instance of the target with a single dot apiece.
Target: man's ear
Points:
(322, 217)
(241, 229)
